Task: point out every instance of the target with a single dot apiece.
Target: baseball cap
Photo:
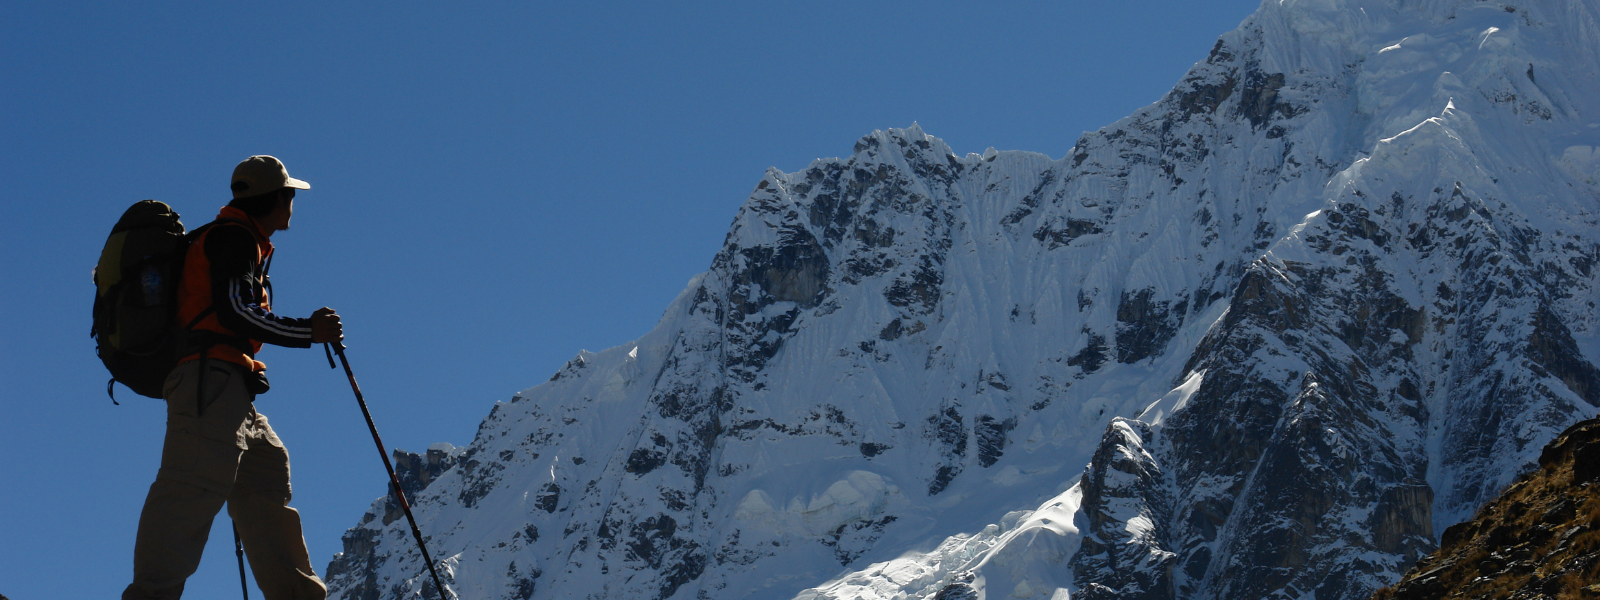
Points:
(261, 174)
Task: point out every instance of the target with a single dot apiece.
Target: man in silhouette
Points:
(218, 449)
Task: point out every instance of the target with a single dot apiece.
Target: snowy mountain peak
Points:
(1265, 337)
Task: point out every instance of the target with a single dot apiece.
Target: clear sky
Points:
(495, 186)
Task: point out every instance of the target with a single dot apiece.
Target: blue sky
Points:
(494, 188)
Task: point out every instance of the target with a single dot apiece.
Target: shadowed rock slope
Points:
(1539, 539)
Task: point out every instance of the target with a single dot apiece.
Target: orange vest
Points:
(194, 291)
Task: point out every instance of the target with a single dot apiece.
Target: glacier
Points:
(1265, 338)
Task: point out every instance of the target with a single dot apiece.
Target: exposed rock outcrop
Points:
(1539, 539)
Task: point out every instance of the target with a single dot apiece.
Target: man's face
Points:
(288, 206)
(278, 219)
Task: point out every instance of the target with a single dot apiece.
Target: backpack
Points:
(136, 297)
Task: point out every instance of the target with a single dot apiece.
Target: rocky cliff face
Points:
(1320, 302)
(1538, 539)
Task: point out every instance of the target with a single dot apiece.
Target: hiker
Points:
(218, 449)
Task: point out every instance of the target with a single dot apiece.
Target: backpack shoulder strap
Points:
(190, 339)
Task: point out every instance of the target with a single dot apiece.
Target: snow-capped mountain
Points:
(1321, 301)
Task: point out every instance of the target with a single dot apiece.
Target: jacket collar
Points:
(229, 212)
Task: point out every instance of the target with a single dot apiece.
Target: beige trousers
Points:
(226, 454)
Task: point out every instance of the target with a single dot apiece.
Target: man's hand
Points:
(325, 327)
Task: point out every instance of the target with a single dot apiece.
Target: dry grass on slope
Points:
(1539, 539)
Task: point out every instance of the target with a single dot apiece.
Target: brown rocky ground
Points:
(1539, 539)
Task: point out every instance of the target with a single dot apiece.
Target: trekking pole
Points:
(393, 480)
(238, 550)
